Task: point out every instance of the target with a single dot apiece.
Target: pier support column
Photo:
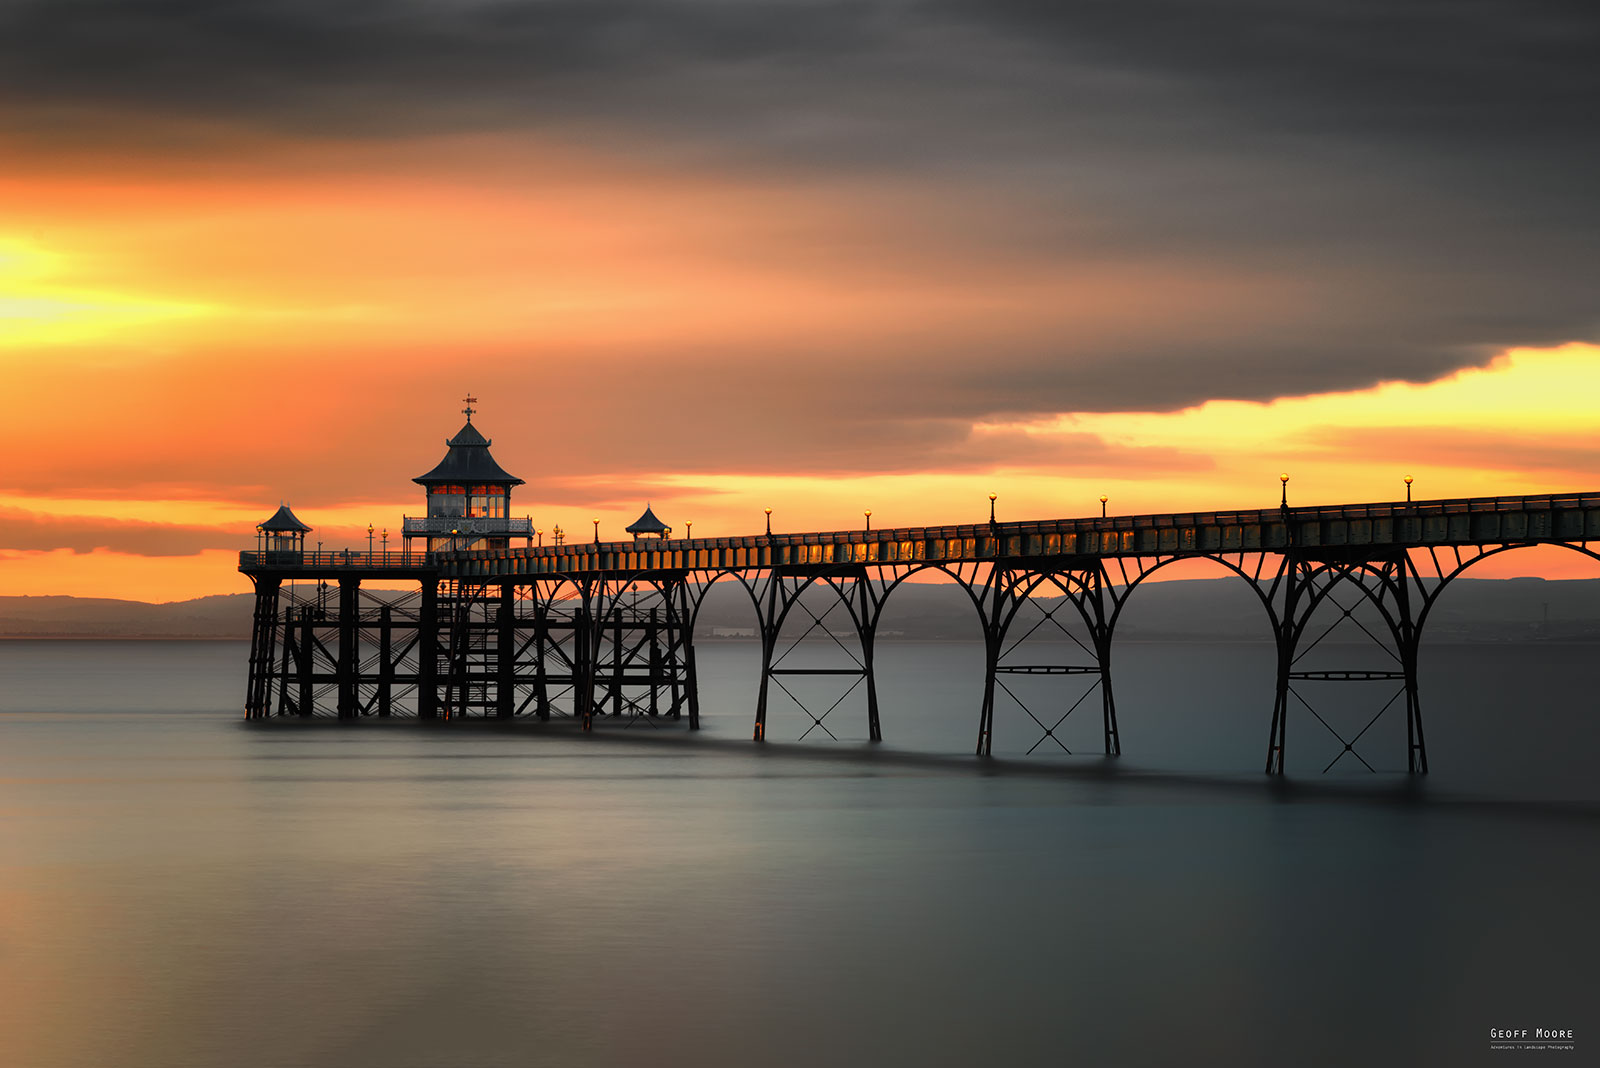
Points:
(991, 664)
(1409, 638)
(994, 603)
(428, 651)
(349, 669)
(541, 674)
(672, 658)
(263, 637)
(585, 642)
(305, 654)
(283, 670)
(684, 611)
(1287, 638)
(385, 661)
(1103, 625)
(691, 681)
(868, 636)
(1107, 698)
(657, 676)
(506, 654)
(617, 661)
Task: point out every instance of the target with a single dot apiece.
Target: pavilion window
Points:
(487, 502)
(447, 501)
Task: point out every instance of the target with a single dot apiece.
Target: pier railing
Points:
(1401, 524)
(447, 526)
(338, 558)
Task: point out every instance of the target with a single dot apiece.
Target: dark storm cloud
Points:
(1425, 170)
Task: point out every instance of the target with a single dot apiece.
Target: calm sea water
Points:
(178, 888)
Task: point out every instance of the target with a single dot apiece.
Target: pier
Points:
(486, 628)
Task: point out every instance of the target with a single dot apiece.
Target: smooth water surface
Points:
(179, 888)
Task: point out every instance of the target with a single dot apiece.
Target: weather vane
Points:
(469, 409)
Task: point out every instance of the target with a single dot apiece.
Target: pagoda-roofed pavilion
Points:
(283, 532)
(469, 497)
(648, 524)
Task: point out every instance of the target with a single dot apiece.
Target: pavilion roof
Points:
(468, 460)
(647, 524)
(284, 521)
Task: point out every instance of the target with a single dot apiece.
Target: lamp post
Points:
(769, 522)
(559, 533)
(1408, 489)
(369, 542)
(688, 528)
(386, 544)
(455, 543)
(540, 533)
(1284, 478)
(991, 508)
(261, 538)
(868, 514)
(596, 522)
(1103, 500)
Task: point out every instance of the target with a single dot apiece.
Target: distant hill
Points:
(1215, 609)
(222, 616)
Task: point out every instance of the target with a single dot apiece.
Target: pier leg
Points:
(283, 671)
(1416, 744)
(616, 664)
(1409, 639)
(991, 663)
(691, 682)
(349, 648)
(1280, 710)
(506, 654)
(685, 630)
(1100, 626)
(874, 728)
(760, 734)
(541, 675)
(263, 631)
(428, 651)
(385, 661)
(1107, 698)
(767, 620)
(673, 665)
(584, 643)
(1287, 634)
(652, 638)
(305, 657)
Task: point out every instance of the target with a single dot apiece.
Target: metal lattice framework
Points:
(607, 628)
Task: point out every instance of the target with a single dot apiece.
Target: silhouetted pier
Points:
(607, 627)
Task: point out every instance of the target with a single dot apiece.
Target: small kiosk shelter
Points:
(283, 536)
(647, 525)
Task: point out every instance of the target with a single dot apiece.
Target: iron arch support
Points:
(1385, 583)
(853, 588)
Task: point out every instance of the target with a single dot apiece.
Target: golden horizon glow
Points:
(726, 503)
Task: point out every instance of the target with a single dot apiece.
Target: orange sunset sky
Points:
(812, 259)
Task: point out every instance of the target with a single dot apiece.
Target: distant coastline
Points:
(1218, 610)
